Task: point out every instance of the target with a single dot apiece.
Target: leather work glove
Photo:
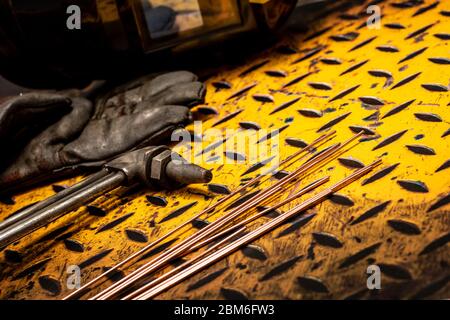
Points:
(143, 112)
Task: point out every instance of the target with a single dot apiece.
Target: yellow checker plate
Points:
(407, 233)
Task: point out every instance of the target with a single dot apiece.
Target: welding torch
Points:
(155, 167)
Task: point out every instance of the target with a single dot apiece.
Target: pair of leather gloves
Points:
(46, 134)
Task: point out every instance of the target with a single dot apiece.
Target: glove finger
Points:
(30, 112)
(40, 156)
(142, 89)
(186, 94)
(39, 99)
(103, 139)
(40, 152)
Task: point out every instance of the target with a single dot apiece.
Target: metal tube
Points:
(58, 208)
(27, 212)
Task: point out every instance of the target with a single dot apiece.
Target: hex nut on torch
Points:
(158, 175)
(136, 164)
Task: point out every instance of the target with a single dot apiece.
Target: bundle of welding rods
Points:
(228, 233)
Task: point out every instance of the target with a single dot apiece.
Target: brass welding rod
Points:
(191, 261)
(252, 236)
(303, 191)
(239, 226)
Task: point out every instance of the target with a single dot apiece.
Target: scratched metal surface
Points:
(393, 82)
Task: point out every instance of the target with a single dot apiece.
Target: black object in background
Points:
(116, 39)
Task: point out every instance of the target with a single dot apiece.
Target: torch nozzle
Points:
(187, 173)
